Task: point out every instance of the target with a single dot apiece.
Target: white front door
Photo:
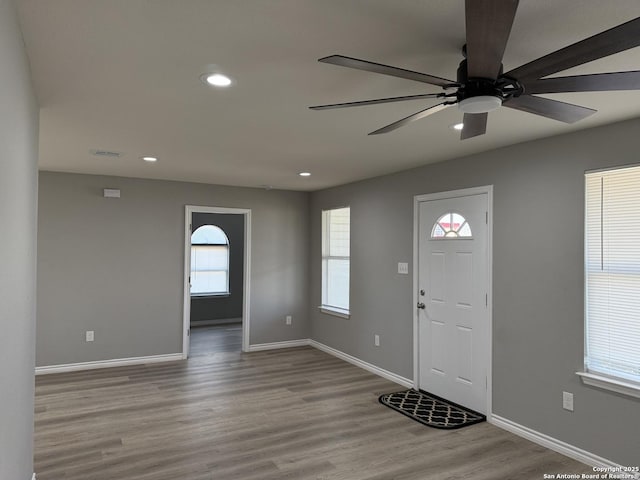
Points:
(453, 314)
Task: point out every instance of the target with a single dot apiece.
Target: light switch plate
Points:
(403, 268)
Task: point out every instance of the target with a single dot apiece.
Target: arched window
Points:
(451, 225)
(209, 261)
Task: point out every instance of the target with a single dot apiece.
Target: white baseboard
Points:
(405, 382)
(220, 321)
(553, 443)
(116, 362)
(259, 347)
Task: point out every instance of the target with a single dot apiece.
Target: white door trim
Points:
(488, 190)
(186, 309)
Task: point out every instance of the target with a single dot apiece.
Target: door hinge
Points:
(486, 218)
(189, 333)
(486, 299)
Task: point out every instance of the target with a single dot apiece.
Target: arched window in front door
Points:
(451, 225)
(209, 261)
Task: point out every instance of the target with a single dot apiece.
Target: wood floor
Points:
(210, 340)
(291, 414)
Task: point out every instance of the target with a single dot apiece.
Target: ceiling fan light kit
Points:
(479, 104)
(481, 85)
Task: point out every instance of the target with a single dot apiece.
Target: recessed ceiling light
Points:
(304, 174)
(217, 79)
(457, 126)
(150, 159)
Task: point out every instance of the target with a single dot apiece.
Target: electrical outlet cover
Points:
(567, 401)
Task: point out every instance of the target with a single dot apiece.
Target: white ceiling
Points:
(123, 75)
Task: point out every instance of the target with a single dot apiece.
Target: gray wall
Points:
(538, 326)
(229, 306)
(115, 266)
(18, 193)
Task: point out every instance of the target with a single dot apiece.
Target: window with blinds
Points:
(336, 228)
(612, 274)
(209, 261)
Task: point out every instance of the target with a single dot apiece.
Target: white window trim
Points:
(336, 312)
(597, 379)
(324, 307)
(221, 293)
(615, 385)
(206, 295)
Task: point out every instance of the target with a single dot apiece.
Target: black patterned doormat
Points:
(431, 410)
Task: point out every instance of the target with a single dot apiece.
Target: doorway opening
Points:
(216, 280)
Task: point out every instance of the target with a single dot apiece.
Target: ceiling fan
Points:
(481, 86)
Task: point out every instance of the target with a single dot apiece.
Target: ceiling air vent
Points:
(106, 153)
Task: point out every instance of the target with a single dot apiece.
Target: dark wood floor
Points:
(293, 414)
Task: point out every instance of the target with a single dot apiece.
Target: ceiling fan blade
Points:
(474, 124)
(349, 62)
(614, 40)
(412, 118)
(598, 82)
(561, 111)
(377, 101)
(488, 26)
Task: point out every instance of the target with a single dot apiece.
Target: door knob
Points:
(421, 305)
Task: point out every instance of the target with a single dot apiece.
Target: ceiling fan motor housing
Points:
(502, 88)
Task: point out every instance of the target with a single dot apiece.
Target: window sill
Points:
(210, 295)
(619, 386)
(334, 311)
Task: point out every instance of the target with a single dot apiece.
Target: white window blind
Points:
(209, 261)
(336, 228)
(209, 269)
(612, 273)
